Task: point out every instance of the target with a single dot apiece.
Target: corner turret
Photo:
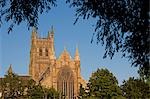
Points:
(51, 33)
(34, 33)
(51, 38)
(77, 56)
(10, 71)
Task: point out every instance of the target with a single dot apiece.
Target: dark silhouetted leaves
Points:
(122, 25)
(17, 11)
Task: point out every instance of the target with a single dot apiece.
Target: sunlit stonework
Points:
(62, 73)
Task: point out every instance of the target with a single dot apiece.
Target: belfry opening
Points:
(61, 73)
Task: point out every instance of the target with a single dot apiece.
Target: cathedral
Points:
(61, 73)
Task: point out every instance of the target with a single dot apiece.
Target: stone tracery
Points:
(61, 73)
(65, 82)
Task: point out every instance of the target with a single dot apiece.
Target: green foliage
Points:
(11, 86)
(90, 97)
(51, 93)
(82, 93)
(103, 85)
(122, 25)
(17, 11)
(36, 92)
(135, 89)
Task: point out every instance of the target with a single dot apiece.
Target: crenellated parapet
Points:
(62, 73)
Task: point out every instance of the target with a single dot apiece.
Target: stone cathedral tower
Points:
(62, 73)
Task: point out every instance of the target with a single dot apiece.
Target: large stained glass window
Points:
(65, 83)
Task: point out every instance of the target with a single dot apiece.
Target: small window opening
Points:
(46, 52)
(40, 52)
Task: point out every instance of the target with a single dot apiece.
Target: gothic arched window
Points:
(40, 52)
(65, 82)
(46, 52)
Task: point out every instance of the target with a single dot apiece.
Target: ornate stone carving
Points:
(62, 73)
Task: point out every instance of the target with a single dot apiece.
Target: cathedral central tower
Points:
(42, 54)
(62, 73)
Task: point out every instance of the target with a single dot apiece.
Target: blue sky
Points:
(15, 47)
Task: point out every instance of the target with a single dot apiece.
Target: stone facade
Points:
(62, 73)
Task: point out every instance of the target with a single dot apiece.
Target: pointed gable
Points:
(65, 55)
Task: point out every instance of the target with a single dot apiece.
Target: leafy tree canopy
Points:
(17, 11)
(122, 25)
(12, 87)
(103, 84)
(51, 93)
(135, 89)
(36, 91)
(82, 93)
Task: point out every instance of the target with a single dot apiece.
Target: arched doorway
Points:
(65, 83)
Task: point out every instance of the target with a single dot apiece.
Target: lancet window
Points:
(65, 83)
(46, 52)
(40, 52)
